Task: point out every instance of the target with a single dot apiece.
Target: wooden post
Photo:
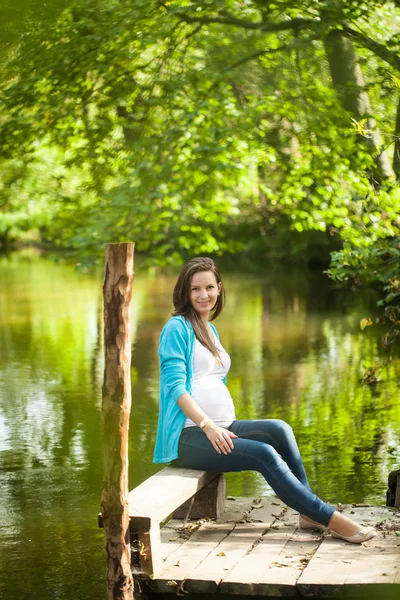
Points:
(117, 291)
(393, 492)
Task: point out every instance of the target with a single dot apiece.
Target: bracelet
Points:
(204, 422)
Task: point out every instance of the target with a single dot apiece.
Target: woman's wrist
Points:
(205, 423)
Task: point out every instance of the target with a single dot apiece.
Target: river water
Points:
(297, 352)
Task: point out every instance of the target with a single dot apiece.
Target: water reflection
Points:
(297, 354)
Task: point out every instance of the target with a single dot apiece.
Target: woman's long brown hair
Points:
(183, 307)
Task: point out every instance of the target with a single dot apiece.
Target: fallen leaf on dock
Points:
(188, 528)
(172, 583)
(257, 503)
(177, 564)
(221, 554)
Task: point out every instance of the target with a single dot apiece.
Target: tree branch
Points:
(267, 26)
(298, 24)
(246, 59)
(361, 39)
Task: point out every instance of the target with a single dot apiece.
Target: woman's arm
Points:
(220, 437)
(172, 352)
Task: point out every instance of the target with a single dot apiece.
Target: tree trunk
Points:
(117, 291)
(348, 81)
(396, 156)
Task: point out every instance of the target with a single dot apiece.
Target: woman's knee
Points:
(267, 458)
(282, 429)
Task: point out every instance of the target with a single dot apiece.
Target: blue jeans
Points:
(267, 446)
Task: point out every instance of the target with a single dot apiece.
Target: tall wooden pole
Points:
(117, 292)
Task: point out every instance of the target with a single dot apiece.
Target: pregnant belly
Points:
(212, 395)
(213, 385)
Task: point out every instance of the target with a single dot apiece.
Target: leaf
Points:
(395, 81)
(365, 323)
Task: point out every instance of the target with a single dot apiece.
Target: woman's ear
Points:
(219, 287)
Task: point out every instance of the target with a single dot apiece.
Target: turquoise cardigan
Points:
(176, 373)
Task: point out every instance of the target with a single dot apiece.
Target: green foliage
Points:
(192, 126)
(371, 255)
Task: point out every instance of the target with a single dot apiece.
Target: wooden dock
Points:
(256, 549)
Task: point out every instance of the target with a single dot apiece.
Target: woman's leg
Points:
(280, 436)
(196, 452)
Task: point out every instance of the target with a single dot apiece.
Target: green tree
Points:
(199, 126)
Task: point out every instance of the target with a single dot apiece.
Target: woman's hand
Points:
(220, 438)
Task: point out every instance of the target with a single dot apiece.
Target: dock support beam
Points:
(117, 291)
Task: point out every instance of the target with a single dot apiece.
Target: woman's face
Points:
(204, 291)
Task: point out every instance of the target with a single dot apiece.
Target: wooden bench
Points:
(172, 492)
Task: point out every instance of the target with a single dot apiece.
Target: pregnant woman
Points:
(197, 426)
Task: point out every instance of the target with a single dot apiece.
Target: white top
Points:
(208, 388)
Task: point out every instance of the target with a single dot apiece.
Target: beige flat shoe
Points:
(306, 524)
(357, 538)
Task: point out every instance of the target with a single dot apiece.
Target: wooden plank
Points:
(338, 564)
(178, 564)
(173, 535)
(207, 575)
(237, 509)
(171, 539)
(273, 566)
(379, 563)
(284, 571)
(161, 494)
(206, 542)
(278, 563)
